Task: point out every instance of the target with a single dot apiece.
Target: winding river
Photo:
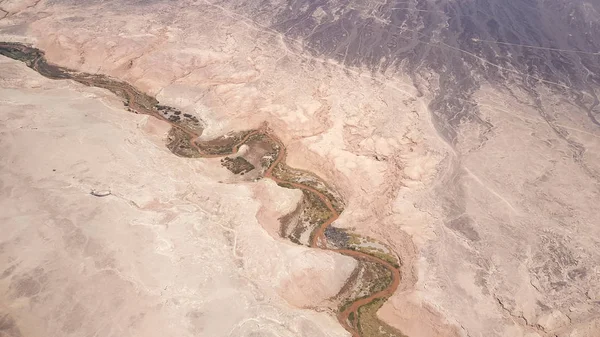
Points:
(358, 314)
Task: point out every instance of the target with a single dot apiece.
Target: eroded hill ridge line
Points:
(380, 271)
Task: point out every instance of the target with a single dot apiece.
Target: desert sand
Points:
(149, 259)
(493, 215)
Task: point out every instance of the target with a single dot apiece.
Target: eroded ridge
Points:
(377, 275)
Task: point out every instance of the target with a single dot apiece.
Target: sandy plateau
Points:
(151, 258)
(497, 234)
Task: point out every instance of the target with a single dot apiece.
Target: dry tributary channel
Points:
(377, 275)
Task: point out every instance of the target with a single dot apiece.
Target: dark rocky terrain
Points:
(451, 46)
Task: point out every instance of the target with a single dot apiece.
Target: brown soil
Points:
(237, 165)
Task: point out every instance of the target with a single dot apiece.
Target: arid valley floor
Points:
(299, 168)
